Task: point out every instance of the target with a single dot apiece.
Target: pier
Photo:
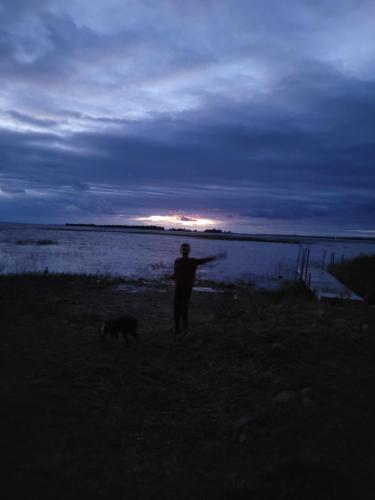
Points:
(325, 286)
(322, 283)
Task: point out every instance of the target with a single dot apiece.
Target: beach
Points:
(270, 396)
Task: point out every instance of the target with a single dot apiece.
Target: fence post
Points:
(307, 262)
(332, 262)
(297, 268)
(302, 264)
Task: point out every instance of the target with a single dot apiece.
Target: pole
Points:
(298, 259)
(307, 262)
(302, 264)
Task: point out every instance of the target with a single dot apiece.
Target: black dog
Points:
(126, 325)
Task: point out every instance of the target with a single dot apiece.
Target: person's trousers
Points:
(181, 308)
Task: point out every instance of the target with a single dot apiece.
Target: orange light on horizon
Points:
(181, 220)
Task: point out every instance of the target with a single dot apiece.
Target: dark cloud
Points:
(11, 190)
(183, 218)
(227, 108)
(39, 122)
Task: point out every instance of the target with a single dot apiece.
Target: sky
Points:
(251, 116)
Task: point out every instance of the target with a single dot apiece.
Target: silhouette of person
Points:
(184, 274)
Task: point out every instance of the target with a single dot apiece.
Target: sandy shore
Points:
(271, 396)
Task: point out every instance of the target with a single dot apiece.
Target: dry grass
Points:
(359, 275)
(271, 396)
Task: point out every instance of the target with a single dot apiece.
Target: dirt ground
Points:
(271, 396)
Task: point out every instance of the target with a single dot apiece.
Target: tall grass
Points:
(358, 274)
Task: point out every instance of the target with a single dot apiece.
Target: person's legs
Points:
(177, 309)
(185, 309)
(181, 308)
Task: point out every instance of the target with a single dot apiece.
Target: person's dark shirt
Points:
(185, 269)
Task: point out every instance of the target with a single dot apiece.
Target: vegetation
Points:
(358, 274)
(36, 242)
(119, 226)
(270, 396)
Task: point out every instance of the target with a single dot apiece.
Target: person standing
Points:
(184, 274)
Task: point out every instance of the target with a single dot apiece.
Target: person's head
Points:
(185, 249)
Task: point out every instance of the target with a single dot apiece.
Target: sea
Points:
(149, 255)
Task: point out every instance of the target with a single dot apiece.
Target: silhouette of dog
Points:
(125, 325)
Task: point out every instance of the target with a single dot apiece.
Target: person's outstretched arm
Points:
(204, 260)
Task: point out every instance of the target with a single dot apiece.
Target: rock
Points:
(306, 391)
(285, 397)
(244, 421)
(90, 330)
(278, 350)
(242, 438)
(340, 322)
(54, 300)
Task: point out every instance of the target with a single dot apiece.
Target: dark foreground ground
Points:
(271, 397)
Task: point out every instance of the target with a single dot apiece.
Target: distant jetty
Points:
(215, 234)
(118, 226)
(148, 227)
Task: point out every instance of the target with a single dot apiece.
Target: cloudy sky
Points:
(254, 116)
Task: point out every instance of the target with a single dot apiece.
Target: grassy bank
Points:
(359, 275)
(271, 396)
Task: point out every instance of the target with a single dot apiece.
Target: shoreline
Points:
(187, 234)
(277, 238)
(264, 284)
(270, 238)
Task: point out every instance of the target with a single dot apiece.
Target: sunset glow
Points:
(180, 220)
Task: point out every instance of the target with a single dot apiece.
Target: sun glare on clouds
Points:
(180, 220)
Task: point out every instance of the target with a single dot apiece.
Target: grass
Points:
(271, 396)
(358, 274)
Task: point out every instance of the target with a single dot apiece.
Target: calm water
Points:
(151, 256)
